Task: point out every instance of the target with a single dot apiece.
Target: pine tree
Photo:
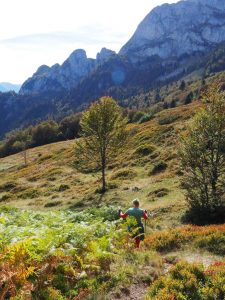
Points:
(182, 85)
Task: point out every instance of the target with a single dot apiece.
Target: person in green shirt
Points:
(138, 214)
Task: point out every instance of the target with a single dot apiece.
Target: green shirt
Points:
(137, 213)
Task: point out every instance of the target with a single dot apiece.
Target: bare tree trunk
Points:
(103, 172)
(103, 178)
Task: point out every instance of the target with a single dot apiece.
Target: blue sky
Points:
(36, 32)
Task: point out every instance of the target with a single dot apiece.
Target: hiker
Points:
(138, 213)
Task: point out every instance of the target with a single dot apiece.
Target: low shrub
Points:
(168, 119)
(8, 209)
(53, 203)
(145, 149)
(210, 238)
(7, 186)
(214, 243)
(112, 185)
(159, 192)
(137, 116)
(124, 174)
(190, 281)
(106, 213)
(60, 254)
(28, 194)
(146, 118)
(5, 197)
(53, 172)
(63, 187)
(45, 157)
(158, 167)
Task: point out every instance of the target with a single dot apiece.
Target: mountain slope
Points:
(173, 30)
(65, 77)
(167, 39)
(51, 166)
(85, 245)
(172, 42)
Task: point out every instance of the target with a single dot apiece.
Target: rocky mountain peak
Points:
(66, 76)
(78, 55)
(170, 32)
(104, 54)
(183, 28)
(42, 70)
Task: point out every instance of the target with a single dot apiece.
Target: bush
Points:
(168, 119)
(137, 116)
(45, 133)
(7, 187)
(159, 193)
(5, 197)
(69, 127)
(124, 174)
(189, 281)
(53, 203)
(210, 238)
(158, 168)
(213, 243)
(8, 209)
(145, 149)
(63, 187)
(109, 213)
(29, 194)
(146, 118)
(112, 185)
(45, 157)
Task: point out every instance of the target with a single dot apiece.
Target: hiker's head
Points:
(136, 202)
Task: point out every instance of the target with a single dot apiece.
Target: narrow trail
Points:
(138, 290)
(134, 292)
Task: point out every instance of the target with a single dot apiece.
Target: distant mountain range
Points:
(171, 42)
(67, 76)
(6, 87)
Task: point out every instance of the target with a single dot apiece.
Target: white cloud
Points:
(47, 31)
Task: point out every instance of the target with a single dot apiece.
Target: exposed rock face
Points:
(171, 42)
(172, 30)
(104, 54)
(65, 77)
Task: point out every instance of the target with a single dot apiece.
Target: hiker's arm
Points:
(145, 215)
(123, 215)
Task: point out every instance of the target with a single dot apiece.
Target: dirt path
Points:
(135, 292)
(138, 290)
(203, 258)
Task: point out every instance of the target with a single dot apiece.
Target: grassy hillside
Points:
(55, 244)
(148, 169)
(172, 94)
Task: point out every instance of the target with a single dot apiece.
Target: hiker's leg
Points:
(137, 242)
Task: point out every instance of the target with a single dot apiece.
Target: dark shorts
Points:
(137, 231)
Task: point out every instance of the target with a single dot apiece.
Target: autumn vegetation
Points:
(60, 235)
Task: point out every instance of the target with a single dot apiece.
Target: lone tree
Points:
(203, 159)
(104, 135)
(182, 85)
